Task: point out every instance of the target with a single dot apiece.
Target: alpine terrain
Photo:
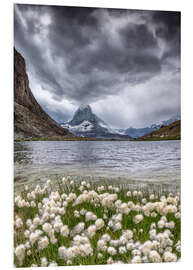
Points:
(86, 124)
(168, 132)
(138, 132)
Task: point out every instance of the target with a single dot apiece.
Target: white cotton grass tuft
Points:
(154, 256)
(161, 224)
(47, 227)
(18, 223)
(169, 257)
(91, 231)
(43, 242)
(90, 216)
(122, 250)
(78, 228)
(44, 262)
(111, 250)
(138, 218)
(53, 264)
(101, 245)
(99, 223)
(100, 255)
(82, 220)
(136, 259)
(110, 260)
(20, 253)
(64, 230)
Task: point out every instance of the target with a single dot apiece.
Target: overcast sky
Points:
(124, 63)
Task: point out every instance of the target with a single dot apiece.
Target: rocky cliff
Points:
(30, 120)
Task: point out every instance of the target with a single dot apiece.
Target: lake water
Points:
(157, 161)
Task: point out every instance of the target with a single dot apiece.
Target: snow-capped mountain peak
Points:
(86, 123)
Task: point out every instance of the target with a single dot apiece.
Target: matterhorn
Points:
(86, 124)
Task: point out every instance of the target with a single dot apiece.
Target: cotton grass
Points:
(74, 223)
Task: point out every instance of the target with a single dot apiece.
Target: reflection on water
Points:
(134, 160)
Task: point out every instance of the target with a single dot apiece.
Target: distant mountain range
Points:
(138, 132)
(86, 124)
(167, 132)
(31, 121)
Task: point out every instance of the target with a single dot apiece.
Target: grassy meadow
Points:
(84, 223)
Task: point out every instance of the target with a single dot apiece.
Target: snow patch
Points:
(85, 126)
(103, 125)
(110, 129)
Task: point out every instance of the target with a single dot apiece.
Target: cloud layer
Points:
(125, 63)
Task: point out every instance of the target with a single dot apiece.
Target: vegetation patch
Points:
(79, 223)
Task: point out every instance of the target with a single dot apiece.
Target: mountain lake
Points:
(121, 161)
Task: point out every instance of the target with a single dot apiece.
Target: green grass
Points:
(51, 251)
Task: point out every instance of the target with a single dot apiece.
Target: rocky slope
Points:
(30, 120)
(86, 124)
(169, 132)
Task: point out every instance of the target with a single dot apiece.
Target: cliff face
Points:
(30, 120)
(170, 132)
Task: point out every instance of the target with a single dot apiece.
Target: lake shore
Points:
(118, 162)
(95, 139)
(149, 186)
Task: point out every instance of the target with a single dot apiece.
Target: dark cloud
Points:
(168, 24)
(85, 55)
(168, 28)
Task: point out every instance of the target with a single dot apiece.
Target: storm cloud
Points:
(124, 63)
